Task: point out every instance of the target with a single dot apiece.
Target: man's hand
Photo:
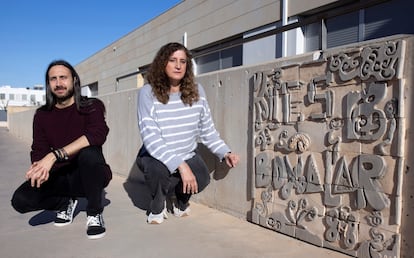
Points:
(189, 181)
(38, 172)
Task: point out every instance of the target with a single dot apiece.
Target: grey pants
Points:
(162, 183)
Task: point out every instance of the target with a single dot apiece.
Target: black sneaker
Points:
(96, 227)
(65, 217)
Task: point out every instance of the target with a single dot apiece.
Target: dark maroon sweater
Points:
(58, 127)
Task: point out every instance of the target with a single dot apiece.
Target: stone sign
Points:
(329, 149)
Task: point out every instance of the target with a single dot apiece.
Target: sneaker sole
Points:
(182, 215)
(96, 236)
(154, 222)
(62, 224)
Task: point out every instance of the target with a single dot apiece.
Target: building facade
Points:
(13, 99)
(21, 97)
(225, 34)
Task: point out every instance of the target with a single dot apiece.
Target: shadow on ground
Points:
(136, 189)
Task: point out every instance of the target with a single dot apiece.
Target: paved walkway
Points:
(206, 233)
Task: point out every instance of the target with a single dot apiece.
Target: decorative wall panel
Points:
(329, 149)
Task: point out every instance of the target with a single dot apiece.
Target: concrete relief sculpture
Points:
(328, 150)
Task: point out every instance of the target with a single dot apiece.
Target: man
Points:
(67, 159)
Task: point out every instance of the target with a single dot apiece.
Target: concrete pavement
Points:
(206, 233)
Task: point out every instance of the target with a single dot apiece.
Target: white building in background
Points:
(21, 97)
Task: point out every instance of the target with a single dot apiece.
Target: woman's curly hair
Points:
(160, 82)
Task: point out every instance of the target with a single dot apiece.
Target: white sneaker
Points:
(157, 218)
(95, 227)
(180, 213)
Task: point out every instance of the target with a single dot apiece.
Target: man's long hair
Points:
(160, 82)
(51, 100)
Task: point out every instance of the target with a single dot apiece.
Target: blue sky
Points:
(33, 33)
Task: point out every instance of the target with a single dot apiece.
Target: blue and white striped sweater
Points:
(170, 132)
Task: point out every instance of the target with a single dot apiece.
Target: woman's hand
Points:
(189, 181)
(38, 172)
(231, 159)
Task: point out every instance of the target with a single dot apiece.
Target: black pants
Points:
(86, 176)
(162, 183)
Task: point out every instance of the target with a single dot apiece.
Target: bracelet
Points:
(56, 154)
(65, 154)
(60, 154)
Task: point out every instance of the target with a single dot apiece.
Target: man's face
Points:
(61, 82)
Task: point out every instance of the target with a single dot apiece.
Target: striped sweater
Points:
(170, 132)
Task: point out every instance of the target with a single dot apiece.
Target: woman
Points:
(173, 116)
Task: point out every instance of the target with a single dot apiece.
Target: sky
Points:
(35, 32)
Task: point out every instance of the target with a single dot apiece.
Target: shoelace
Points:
(62, 215)
(94, 221)
(65, 214)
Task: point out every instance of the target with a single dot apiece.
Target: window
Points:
(382, 20)
(231, 57)
(94, 88)
(388, 19)
(90, 90)
(313, 37)
(222, 59)
(208, 63)
(33, 99)
(2, 96)
(342, 30)
(11, 96)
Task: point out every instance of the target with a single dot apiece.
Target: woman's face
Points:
(176, 67)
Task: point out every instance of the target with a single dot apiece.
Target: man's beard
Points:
(62, 99)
